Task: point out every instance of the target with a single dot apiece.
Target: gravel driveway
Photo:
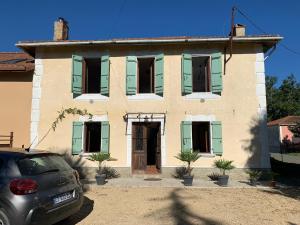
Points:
(187, 206)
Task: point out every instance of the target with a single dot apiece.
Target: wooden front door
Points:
(139, 147)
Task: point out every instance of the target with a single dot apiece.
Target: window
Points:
(201, 74)
(201, 137)
(91, 81)
(92, 137)
(145, 78)
(90, 76)
(39, 164)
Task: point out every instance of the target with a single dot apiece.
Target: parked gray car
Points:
(37, 188)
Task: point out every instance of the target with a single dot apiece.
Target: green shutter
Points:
(186, 136)
(159, 74)
(77, 74)
(77, 138)
(105, 137)
(131, 73)
(216, 73)
(217, 144)
(104, 83)
(186, 76)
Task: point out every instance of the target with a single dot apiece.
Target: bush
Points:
(214, 176)
(110, 172)
(224, 165)
(180, 172)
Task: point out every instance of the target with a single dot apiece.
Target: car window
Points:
(39, 164)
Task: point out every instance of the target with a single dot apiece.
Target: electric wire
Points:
(262, 30)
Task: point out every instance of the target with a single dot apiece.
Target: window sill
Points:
(207, 155)
(147, 96)
(201, 95)
(91, 97)
(86, 154)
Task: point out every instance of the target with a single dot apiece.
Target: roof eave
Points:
(30, 46)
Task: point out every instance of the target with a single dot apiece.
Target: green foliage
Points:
(188, 157)
(214, 176)
(224, 165)
(110, 172)
(254, 174)
(283, 100)
(100, 158)
(73, 111)
(295, 129)
(180, 172)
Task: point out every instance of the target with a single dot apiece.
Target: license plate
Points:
(64, 197)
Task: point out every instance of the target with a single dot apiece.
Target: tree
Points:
(283, 100)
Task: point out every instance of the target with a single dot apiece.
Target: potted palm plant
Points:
(188, 157)
(254, 175)
(223, 165)
(100, 158)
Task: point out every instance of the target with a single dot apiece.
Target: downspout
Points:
(230, 40)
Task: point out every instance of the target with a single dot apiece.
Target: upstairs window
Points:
(91, 81)
(201, 74)
(90, 75)
(145, 78)
(145, 75)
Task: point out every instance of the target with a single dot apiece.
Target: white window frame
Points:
(202, 95)
(90, 97)
(202, 118)
(86, 119)
(144, 96)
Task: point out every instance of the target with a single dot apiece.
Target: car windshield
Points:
(40, 164)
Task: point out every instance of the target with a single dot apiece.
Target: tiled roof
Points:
(16, 62)
(288, 120)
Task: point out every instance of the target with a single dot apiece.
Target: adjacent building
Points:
(16, 73)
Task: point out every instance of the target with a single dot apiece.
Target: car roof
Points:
(19, 152)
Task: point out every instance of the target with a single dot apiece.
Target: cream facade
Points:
(241, 106)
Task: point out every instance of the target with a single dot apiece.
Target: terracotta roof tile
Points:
(288, 120)
(16, 61)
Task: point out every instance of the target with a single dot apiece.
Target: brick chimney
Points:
(239, 30)
(61, 30)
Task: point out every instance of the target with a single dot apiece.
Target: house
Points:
(279, 133)
(16, 72)
(152, 98)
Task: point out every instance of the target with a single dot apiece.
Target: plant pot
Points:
(100, 179)
(188, 180)
(223, 180)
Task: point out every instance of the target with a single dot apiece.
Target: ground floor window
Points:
(201, 137)
(92, 136)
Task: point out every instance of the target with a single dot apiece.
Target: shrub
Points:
(224, 165)
(188, 157)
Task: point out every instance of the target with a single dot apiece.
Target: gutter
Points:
(148, 41)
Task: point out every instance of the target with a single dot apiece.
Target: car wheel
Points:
(3, 219)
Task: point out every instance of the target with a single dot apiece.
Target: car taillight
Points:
(76, 174)
(23, 186)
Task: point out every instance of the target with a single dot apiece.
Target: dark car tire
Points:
(3, 218)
